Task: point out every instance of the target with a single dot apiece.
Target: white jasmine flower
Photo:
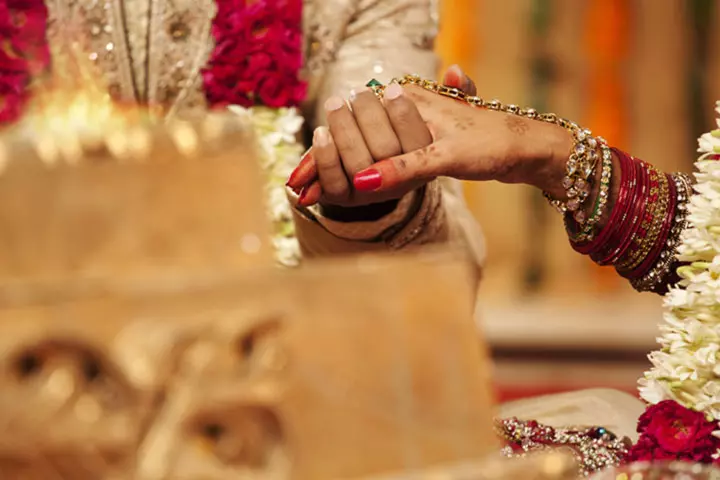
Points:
(709, 143)
(277, 131)
(686, 369)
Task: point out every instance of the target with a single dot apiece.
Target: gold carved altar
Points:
(146, 334)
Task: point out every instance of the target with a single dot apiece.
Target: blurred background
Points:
(641, 73)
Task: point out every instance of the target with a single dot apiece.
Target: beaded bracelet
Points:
(645, 225)
(618, 214)
(588, 231)
(580, 169)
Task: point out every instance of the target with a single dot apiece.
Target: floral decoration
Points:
(276, 130)
(255, 71)
(683, 385)
(24, 52)
(254, 68)
(669, 431)
(258, 54)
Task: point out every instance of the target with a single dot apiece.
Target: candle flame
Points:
(72, 113)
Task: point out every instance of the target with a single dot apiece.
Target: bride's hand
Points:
(475, 144)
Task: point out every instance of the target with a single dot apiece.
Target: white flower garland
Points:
(277, 130)
(687, 367)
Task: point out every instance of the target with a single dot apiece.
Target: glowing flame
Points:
(72, 114)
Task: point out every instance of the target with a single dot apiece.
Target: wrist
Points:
(552, 149)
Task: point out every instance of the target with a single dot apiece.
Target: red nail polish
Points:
(367, 181)
(303, 194)
(293, 176)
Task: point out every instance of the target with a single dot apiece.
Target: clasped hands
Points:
(376, 151)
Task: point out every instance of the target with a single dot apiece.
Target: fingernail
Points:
(292, 181)
(367, 181)
(457, 70)
(393, 91)
(321, 137)
(293, 176)
(334, 103)
(453, 76)
(356, 91)
(302, 195)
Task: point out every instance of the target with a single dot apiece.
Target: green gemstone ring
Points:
(377, 87)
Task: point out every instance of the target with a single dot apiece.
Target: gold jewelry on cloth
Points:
(594, 448)
(580, 165)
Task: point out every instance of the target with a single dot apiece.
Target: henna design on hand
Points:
(517, 125)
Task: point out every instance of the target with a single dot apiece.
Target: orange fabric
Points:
(606, 47)
(458, 41)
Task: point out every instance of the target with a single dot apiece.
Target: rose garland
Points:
(24, 53)
(254, 70)
(683, 385)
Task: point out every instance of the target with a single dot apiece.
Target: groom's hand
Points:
(360, 136)
(359, 133)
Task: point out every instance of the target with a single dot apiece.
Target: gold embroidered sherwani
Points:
(152, 52)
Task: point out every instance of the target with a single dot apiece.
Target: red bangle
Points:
(627, 179)
(660, 242)
(637, 245)
(626, 229)
(636, 214)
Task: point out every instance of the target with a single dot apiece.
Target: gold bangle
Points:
(664, 266)
(653, 226)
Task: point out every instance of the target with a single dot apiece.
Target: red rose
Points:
(23, 52)
(10, 60)
(258, 54)
(26, 4)
(676, 428)
(670, 431)
(272, 91)
(12, 96)
(258, 63)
